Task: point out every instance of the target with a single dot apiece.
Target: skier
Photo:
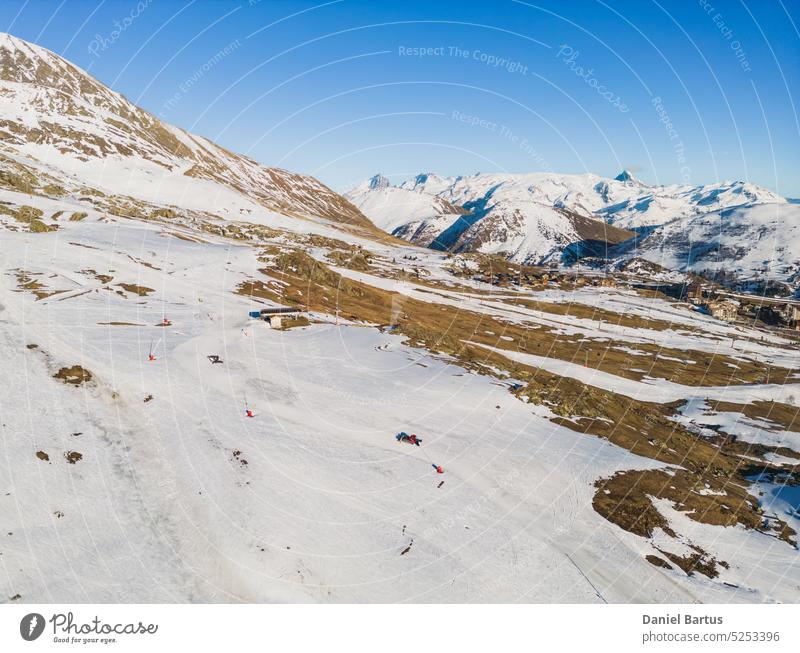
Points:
(151, 352)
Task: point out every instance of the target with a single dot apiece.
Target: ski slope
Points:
(183, 498)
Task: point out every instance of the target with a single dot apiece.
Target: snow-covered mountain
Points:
(528, 218)
(755, 243)
(59, 122)
(535, 217)
(394, 205)
(656, 205)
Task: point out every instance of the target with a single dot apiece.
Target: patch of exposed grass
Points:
(784, 416)
(353, 259)
(54, 190)
(657, 562)
(74, 375)
(169, 214)
(22, 182)
(721, 500)
(698, 561)
(73, 457)
(38, 227)
(27, 283)
(31, 217)
(584, 311)
(142, 291)
(120, 324)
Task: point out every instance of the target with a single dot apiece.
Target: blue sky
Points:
(694, 91)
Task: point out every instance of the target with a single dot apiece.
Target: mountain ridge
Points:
(50, 108)
(545, 218)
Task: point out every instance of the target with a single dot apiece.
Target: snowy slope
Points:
(398, 207)
(754, 242)
(657, 205)
(180, 497)
(57, 118)
(161, 507)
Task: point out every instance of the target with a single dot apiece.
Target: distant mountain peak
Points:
(421, 179)
(625, 175)
(378, 182)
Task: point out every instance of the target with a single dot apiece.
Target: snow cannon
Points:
(255, 314)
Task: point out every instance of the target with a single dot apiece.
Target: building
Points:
(694, 292)
(791, 315)
(723, 310)
(773, 311)
(672, 290)
(274, 315)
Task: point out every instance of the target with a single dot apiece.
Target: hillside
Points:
(57, 122)
(755, 243)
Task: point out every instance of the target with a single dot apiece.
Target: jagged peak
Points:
(625, 175)
(424, 181)
(378, 182)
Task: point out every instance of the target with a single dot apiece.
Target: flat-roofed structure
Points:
(274, 315)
